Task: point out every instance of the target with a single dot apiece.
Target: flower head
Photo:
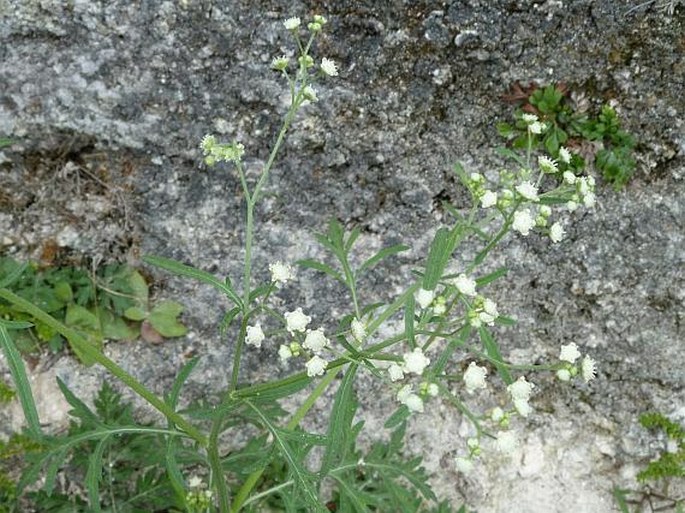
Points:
(569, 353)
(396, 373)
(588, 369)
(254, 335)
(589, 200)
(329, 67)
(309, 93)
(522, 407)
(292, 23)
(281, 273)
(488, 199)
(296, 321)
(520, 389)
(415, 362)
(529, 118)
(412, 401)
(563, 374)
(358, 330)
(474, 377)
(564, 155)
(279, 63)
(424, 298)
(547, 164)
(557, 232)
(465, 285)
(569, 177)
(523, 222)
(536, 127)
(506, 442)
(285, 353)
(315, 340)
(528, 190)
(316, 366)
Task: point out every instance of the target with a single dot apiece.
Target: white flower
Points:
(547, 164)
(415, 362)
(465, 285)
(589, 200)
(497, 414)
(280, 63)
(571, 206)
(474, 377)
(316, 366)
(545, 210)
(291, 23)
(564, 155)
(296, 321)
(569, 353)
(489, 313)
(488, 199)
(529, 118)
(433, 390)
(284, 353)
(536, 127)
(556, 232)
(315, 340)
(412, 401)
(477, 178)
(358, 330)
(528, 190)
(520, 389)
(463, 465)
(254, 335)
(522, 407)
(569, 177)
(583, 187)
(281, 273)
(208, 142)
(563, 375)
(523, 222)
(329, 67)
(588, 368)
(309, 93)
(194, 482)
(424, 297)
(506, 442)
(396, 372)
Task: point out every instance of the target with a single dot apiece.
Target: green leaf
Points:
(401, 414)
(492, 350)
(115, 328)
(63, 291)
(504, 129)
(409, 322)
(163, 318)
(620, 497)
(302, 476)
(14, 273)
(340, 423)
(94, 475)
(440, 252)
(490, 277)
(79, 408)
(351, 239)
(324, 268)
(181, 378)
(79, 317)
(381, 255)
(139, 288)
(191, 272)
(135, 314)
(18, 371)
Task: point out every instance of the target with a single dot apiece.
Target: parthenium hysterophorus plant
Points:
(443, 318)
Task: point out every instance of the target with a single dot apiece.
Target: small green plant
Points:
(599, 137)
(669, 465)
(112, 303)
(434, 341)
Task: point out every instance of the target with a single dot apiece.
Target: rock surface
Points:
(107, 101)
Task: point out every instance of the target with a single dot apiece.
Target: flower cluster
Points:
(216, 152)
(569, 355)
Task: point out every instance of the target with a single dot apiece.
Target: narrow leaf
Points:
(80, 409)
(382, 254)
(13, 275)
(340, 423)
(197, 274)
(409, 322)
(489, 278)
(94, 474)
(492, 350)
(21, 381)
(318, 266)
(401, 414)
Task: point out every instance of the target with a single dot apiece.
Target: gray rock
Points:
(107, 102)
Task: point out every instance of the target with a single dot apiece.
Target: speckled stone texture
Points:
(107, 102)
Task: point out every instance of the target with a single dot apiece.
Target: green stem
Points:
(218, 481)
(90, 353)
(237, 354)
